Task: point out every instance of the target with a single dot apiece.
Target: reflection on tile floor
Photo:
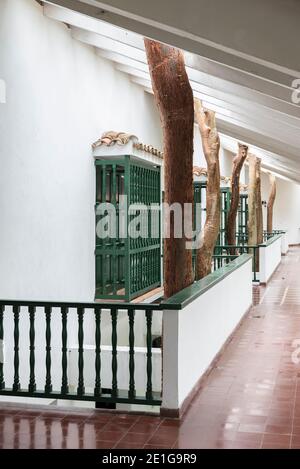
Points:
(251, 399)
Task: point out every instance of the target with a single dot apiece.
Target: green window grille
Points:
(225, 205)
(242, 234)
(200, 199)
(242, 216)
(200, 204)
(127, 266)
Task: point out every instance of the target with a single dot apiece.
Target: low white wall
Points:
(286, 213)
(269, 259)
(284, 243)
(194, 335)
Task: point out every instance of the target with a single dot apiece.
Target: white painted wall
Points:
(225, 157)
(60, 98)
(140, 362)
(213, 316)
(269, 259)
(286, 214)
(284, 244)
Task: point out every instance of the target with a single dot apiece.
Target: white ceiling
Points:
(250, 93)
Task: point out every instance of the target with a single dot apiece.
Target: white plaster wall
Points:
(270, 258)
(286, 214)
(194, 335)
(284, 244)
(60, 97)
(225, 157)
(140, 362)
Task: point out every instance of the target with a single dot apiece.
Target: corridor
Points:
(251, 399)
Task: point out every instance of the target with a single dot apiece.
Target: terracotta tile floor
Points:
(251, 399)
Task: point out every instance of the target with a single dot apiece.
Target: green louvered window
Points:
(128, 266)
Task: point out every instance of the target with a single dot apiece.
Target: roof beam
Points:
(251, 95)
(281, 90)
(237, 114)
(256, 47)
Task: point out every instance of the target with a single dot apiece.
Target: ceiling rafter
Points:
(251, 106)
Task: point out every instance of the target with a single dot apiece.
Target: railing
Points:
(223, 254)
(220, 260)
(267, 235)
(242, 238)
(229, 251)
(38, 336)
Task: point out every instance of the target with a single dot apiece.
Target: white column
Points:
(170, 360)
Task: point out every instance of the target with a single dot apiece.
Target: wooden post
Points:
(174, 98)
(271, 201)
(211, 145)
(238, 162)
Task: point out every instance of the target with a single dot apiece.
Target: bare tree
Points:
(271, 201)
(259, 211)
(252, 201)
(174, 98)
(211, 145)
(238, 162)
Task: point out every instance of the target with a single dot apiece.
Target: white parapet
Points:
(284, 243)
(195, 334)
(269, 258)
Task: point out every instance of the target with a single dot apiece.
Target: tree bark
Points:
(174, 98)
(238, 162)
(271, 201)
(259, 211)
(211, 145)
(252, 201)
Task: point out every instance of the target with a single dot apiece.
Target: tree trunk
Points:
(211, 145)
(271, 201)
(259, 211)
(174, 98)
(252, 201)
(238, 162)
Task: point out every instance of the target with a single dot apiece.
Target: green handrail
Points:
(16, 309)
